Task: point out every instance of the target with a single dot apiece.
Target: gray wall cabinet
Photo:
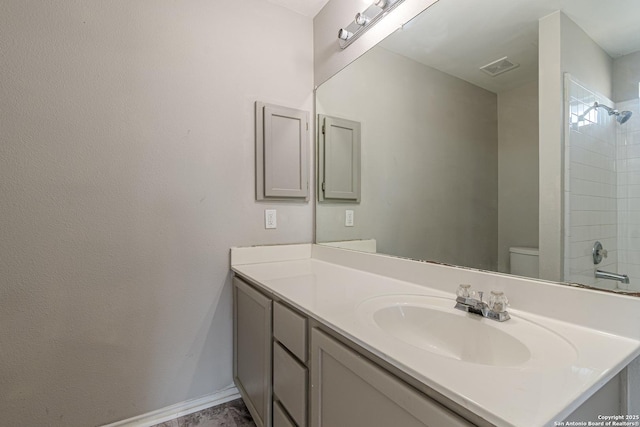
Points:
(338, 159)
(282, 153)
(317, 382)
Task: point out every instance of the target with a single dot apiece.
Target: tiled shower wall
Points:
(591, 196)
(628, 164)
(602, 189)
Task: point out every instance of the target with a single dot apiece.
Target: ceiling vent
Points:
(500, 66)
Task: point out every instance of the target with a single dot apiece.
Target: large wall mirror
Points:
(502, 135)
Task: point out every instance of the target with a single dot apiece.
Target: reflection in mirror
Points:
(481, 140)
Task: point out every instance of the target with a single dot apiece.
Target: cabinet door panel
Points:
(280, 419)
(339, 159)
(282, 153)
(348, 390)
(252, 350)
(290, 384)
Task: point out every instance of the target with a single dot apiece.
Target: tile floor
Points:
(230, 414)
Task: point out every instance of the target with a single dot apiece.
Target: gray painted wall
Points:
(626, 70)
(429, 161)
(126, 173)
(517, 170)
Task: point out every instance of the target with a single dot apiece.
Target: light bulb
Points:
(344, 34)
(361, 19)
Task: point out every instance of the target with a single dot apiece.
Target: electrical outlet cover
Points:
(348, 218)
(270, 219)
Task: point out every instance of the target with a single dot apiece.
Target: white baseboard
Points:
(180, 409)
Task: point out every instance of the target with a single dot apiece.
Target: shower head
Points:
(621, 117)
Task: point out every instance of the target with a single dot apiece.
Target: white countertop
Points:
(545, 389)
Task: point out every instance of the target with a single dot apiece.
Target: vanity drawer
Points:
(290, 329)
(280, 418)
(290, 384)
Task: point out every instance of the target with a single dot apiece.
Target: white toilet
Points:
(524, 261)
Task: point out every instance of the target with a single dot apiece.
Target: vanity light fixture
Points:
(364, 20)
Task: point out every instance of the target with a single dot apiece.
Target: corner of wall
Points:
(550, 147)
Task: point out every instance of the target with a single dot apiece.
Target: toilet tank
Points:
(524, 261)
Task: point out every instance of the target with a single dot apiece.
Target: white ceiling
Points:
(308, 8)
(460, 36)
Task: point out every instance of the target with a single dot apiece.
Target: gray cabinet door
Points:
(348, 390)
(282, 152)
(252, 350)
(339, 158)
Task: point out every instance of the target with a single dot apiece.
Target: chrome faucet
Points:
(600, 274)
(471, 301)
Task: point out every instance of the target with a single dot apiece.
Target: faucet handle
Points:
(598, 253)
(498, 302)
(463, 291)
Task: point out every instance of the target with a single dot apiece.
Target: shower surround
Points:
(601, 188)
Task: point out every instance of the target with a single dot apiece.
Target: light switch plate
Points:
(270, 218)
(348, 218)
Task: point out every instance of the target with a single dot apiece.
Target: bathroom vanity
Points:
(326, 336)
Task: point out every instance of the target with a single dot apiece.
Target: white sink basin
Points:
(433, 325)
